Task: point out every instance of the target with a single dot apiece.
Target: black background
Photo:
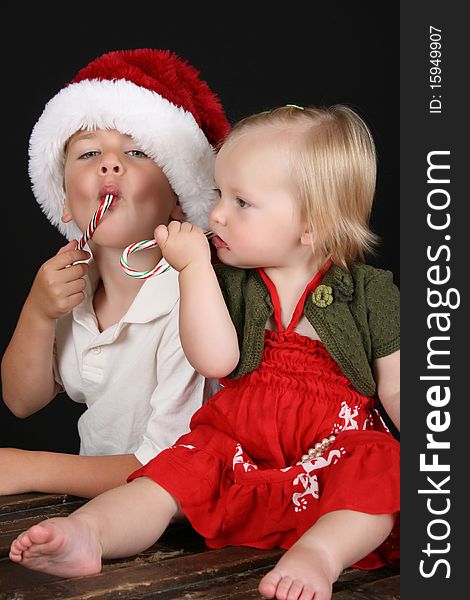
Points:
(254, 57)
(373, 56)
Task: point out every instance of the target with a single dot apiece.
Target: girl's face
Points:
(104, 162)
(256, 220)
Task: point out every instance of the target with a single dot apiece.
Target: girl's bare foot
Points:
(67, 547)
(303, 573)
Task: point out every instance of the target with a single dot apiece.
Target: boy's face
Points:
(104, 162)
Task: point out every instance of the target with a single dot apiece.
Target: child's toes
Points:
(40, 534)
(295, 590)
(283, 587)
(17, 548)
(15, 553)
(308, 593)
(268, 585)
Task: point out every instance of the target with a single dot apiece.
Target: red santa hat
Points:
(155, 97)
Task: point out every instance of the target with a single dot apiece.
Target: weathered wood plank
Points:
(384, 589)
(237, 585)
(13, 576)
(147, 579)
(19, 502)
(229, 573)
(240, 586)
(244, 586)
(349, 595)
(356, 579)
(177, 567)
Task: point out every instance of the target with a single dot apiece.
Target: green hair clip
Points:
(267, 112)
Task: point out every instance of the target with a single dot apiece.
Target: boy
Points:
(140, 125)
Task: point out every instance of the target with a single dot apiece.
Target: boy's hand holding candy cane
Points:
(58, 286)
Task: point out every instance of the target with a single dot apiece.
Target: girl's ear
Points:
(306, 238)
(177, 213)
(66, 214)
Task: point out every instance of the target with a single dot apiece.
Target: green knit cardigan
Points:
(356, 315)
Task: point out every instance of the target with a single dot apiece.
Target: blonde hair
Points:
(333, 167)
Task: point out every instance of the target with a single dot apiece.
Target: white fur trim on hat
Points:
(166, 133)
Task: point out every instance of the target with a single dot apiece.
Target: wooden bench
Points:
(178, 566)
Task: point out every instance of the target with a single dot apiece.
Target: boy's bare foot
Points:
(66, 547)
(301, 574)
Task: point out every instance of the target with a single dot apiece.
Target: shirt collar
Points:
(157, 297)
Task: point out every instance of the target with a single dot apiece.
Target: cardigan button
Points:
(322, 296)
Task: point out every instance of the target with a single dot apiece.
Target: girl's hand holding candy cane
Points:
(183, 244)
(170, 252)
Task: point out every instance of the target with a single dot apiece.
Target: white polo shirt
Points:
(139, 389)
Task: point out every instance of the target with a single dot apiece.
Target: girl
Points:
(292, 451)
(140, 125)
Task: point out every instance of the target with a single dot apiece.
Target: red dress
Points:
(235, 474)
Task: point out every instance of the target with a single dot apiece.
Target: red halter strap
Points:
(300, 304)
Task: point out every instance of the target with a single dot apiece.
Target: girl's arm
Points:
(24, 471)
(208, 336)
(387, 376)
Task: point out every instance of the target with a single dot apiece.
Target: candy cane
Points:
(95, 220)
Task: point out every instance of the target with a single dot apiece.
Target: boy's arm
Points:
(208, 336)
(387, 377)
(27, 375)
(55, 473)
